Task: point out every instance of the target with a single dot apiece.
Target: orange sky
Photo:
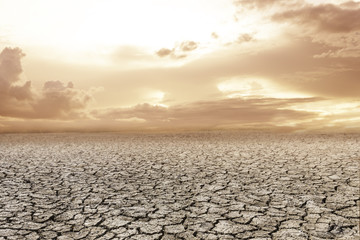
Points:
(92, 65)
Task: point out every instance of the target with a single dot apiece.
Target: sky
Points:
(91, 65)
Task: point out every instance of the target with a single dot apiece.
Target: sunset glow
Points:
(123, 65)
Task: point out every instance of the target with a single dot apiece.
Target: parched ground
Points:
(209, 185)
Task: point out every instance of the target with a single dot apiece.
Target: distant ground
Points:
(206, 185)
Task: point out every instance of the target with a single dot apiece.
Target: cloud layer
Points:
(275, 64)
(212, 114)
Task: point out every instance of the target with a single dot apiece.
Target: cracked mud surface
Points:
(214, 185)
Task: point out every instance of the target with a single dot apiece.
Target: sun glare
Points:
(254, 87)
(103, 26)
(93, 31)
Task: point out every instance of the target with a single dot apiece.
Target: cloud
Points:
(262, 4)
(214, 35)
(12, 93)
(188, 46)
(336, 26)
(327, 17)
(255, 3)
(21, 92)
(129, 53)
(244, 38)
(55, 100)
(294, 69)
(292, 66)
(10, 69)
(350, 4)
(10, 65)
(212, 114)
(179, 51)
(235, 113)
(148, 112)
(164, 52)
(60, 101)
(352, 51)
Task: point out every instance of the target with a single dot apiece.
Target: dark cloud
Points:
(55, 100)
(329, 18)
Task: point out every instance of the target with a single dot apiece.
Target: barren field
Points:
(208, 185)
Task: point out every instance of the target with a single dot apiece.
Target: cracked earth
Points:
(209, 185)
